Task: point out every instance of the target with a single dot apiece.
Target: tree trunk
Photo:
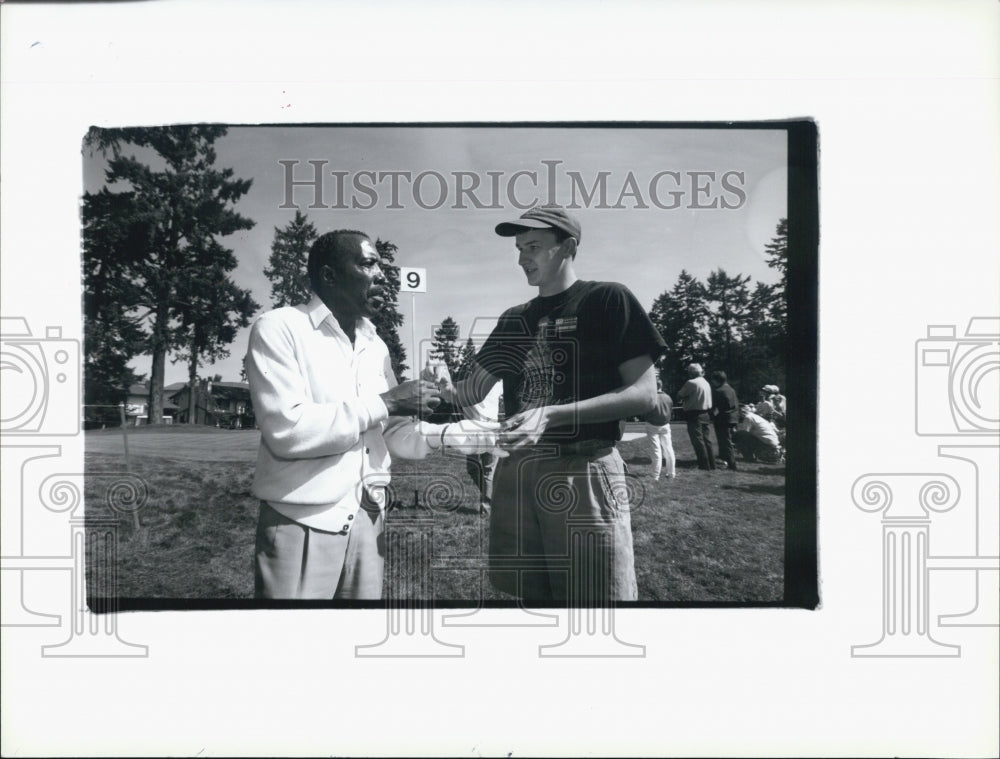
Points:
(192, 389)
(156, 374)
(155, 413)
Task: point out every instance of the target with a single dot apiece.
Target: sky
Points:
(675, 199)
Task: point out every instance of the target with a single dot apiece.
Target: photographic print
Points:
(474, 168)
(693, 249)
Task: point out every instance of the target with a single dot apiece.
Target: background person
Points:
(725, 416)
(330, 411)
(696, 400)
(779, 404)
(482, 466)
(657, 426)
(764, 408)
(756, 438)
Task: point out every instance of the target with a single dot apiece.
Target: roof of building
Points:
(231, 389)
(221, 389)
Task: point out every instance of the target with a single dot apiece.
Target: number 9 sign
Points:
(412, 280)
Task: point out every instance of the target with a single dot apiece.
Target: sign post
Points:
(413, 281)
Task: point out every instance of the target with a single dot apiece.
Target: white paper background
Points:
(906, 99)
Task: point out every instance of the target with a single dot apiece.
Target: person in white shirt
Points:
(330, 414)
(756, 438)
(482, 466)
(779, 404)
(657, 426)
(764, 408)
(696, 399)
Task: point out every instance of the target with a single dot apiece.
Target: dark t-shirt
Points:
(567, 347)
(725, 404)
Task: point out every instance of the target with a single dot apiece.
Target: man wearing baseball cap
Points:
(778, 404)
(574, 361)
(764, 408)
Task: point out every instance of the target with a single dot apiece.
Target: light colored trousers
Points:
(663, 449)
(560, 528)
(298, 562)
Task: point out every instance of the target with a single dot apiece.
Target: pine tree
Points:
(388, 320)
(777, 258)
(728, 299)
(112, 336)
(287, 264)
(680, 316)
(725, 325)
(211, 315)
(465, 358)
(160, 235)
(445, 345)
(763, 344)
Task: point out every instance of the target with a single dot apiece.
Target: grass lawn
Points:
(702, 537)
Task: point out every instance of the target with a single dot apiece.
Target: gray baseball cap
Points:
(541, 217)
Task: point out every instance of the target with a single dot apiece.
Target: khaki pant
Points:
(298, 562)
(560, 529)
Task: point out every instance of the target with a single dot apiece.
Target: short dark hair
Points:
(329, 249)
(719, 376)
(562, 236)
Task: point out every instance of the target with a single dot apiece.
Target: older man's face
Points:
(359, 281)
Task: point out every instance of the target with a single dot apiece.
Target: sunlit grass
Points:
(701, 537)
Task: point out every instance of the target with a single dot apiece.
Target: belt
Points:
(576, 448)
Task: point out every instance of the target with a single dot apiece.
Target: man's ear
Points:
(568, 248)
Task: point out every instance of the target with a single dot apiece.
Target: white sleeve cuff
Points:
(373, 411)
(434, 435)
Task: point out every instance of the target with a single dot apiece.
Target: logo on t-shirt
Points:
(544, 379)
(539, 369)
(566, 326)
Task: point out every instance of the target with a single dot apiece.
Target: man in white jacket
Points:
(330, 414)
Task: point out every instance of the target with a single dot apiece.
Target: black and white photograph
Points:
(507, 379)
(609, 400)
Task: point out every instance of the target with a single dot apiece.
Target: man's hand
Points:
(526, 428)
(412, 398)
(438, 374)
(469, 436)
(449, 395)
